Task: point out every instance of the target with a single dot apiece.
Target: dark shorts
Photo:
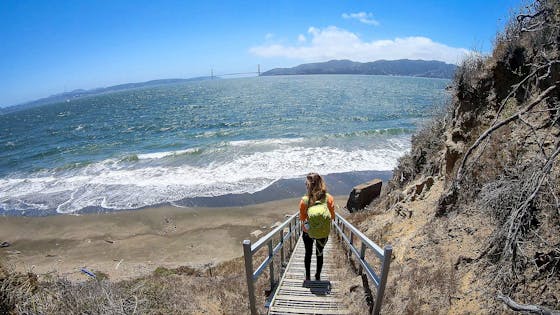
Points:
(319, 244)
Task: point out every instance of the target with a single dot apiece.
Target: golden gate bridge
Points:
(212, 75)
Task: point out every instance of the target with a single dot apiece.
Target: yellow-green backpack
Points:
(319, 218)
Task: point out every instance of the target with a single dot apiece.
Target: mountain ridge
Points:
(401, 67)
(81, 93)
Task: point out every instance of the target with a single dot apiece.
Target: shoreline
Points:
(338, 184)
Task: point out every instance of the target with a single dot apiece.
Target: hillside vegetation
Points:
(473, 211)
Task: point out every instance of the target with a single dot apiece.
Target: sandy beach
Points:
(125, 244)
(129, 243)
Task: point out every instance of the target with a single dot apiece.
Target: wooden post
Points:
(387, 252)
(362, 256)
(249, 273)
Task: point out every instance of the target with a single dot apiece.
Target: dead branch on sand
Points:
(534, 309)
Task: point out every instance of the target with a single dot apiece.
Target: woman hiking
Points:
(316, 211)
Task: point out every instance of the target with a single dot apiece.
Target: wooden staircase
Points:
(296, 296)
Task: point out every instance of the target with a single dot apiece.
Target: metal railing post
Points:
(275, 247)
(387, 252)
(271, 256)
(282, 248)
(249, 273)
(351, 243)
(365, 269)
(291, 236)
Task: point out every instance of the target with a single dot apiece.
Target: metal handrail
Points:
(249, 250)
(341, 226)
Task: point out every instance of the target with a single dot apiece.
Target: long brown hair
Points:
(316, 188)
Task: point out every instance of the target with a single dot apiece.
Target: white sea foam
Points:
(159, 155)
(280, 141)
(110, 185)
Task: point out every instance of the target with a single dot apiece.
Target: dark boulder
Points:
(363, 194)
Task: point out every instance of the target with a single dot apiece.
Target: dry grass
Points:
(427, 289)
(213, 289)
(351, 284)
(184, 290)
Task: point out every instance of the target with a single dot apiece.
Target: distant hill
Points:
(403, 67)
(80, 93)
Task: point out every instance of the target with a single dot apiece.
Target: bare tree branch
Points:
(517, 85)
(516, 218)
(502, 123)
(522, 17)
(534, 131)
(534, 309)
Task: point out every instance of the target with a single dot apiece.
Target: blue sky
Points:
(48, 47)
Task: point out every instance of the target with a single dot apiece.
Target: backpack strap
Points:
(316, 202)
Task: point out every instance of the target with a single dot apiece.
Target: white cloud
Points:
(336, 43)
(366, 18)
(301, 38)
(269, 36)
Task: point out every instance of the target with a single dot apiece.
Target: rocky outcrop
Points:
(454, 148)
(363, 194)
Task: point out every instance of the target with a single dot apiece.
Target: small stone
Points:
(256, 233)
(277, 223)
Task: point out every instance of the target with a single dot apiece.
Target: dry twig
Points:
(497, 126)
(534, 309)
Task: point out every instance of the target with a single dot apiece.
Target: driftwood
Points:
(534, 309)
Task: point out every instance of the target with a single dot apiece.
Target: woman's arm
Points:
(302, 211)
(330, 205)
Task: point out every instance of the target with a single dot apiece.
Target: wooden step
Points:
(296, 296)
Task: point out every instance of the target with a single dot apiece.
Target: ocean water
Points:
(150, 146)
